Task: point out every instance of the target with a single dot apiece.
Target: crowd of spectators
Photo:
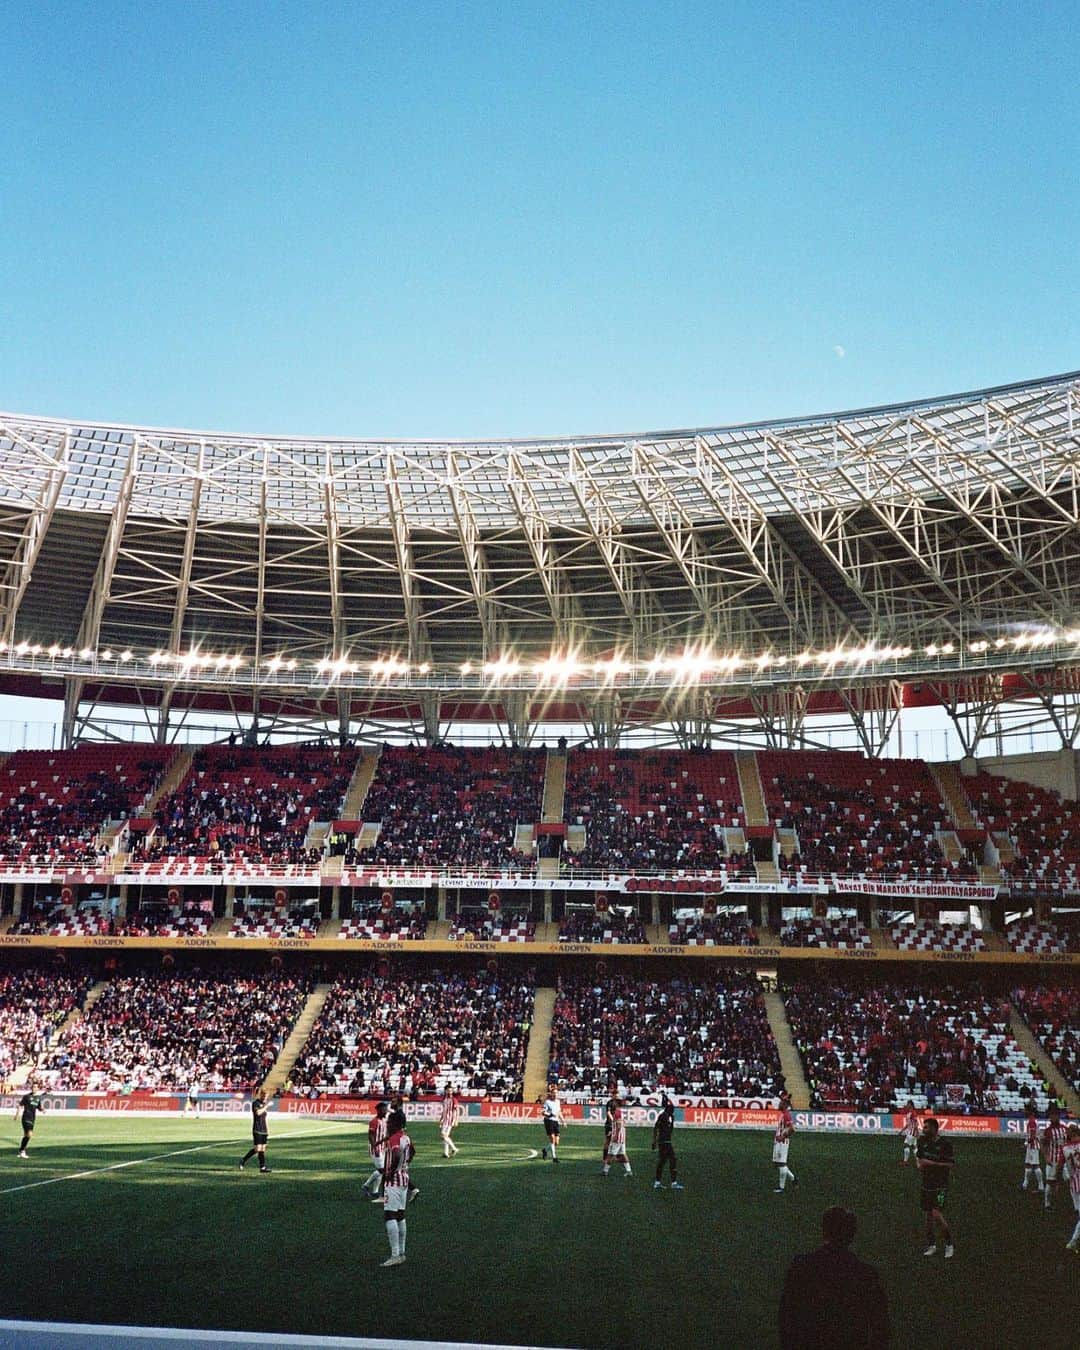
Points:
(451, 807)
(854, 816)
(480, 925)
(373, 922)
(187, 919)
(34, 1001)
(731, 928)
(417, 1031)
(54, 804)
(708, 1036)
(582, 924)
(1053, 1014)
(161, 1029)
(652, 810)
(250, 805)
(1043, 828)
(278, 922)
(869, 1043)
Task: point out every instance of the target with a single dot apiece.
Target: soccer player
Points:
(910, 1134)
(610, 1107)
(399, 1153)
(1053, 1140)
(447, 1121)
(553, 1122)
(30, 1104)
(191, 1106)
(934, 1159)
(377, 1131)
(259, 1133)
(662, 1131)
(785, 1128)
(1032, 1151)
(1071, 1163)
(616, 1144)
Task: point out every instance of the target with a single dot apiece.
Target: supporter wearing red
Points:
(34, 1000)
(1053, 1014)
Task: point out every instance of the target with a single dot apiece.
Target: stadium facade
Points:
(722, 584)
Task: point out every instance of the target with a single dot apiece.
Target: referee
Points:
(259, 1133)
(661, 1139)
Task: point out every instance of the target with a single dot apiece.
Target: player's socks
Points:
(1074, 1242)
(401, 1237)
(606, 1170)
(626, 1169)
(249, 1154)
(949, 1251)
(393, 1236)
(25, 1141)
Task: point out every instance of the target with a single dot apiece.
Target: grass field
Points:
(505, 1247)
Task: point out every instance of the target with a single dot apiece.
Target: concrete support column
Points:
(230, 901)
(440, 912)
(17, 900)
(335, 902)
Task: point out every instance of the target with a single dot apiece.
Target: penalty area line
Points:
(156, 1157)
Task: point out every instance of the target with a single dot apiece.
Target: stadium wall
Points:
(1054, 770)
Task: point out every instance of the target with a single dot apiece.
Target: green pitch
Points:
(505, 1247)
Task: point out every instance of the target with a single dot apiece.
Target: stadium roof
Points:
(938, 524)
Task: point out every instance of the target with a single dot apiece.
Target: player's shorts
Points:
(929, 1200)
(1031, 1157)
(665, 1150)
(259, 1136)
(910, 1140)
(444, 1131)
(552, 1127)
(1076, 1200)
(1053, 1171)
(396, 1198)
(779, 1152)
(377, 1160)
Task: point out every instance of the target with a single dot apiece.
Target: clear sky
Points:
(468, 219)
(459, 219)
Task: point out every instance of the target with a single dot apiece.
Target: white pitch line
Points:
(157, 1157)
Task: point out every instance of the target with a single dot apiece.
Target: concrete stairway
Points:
(316, 834)
(177, 771)
(790, 1063)
(880, 940)
(524, 838)
(753, 794)
(438, 930)
(950, 845)
(290, 1051)
(220, 927)
(1005, 847)
(1031, 1047)
(554, 790)
(951, 786)
(538, 1055)
(7, 923)
(329, 928)
(575, 838)
(788, 842)
(767, 873)
(352, 808)
(734, 839)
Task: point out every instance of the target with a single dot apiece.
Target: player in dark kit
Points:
(30, 1104)
(259, 1133)
(662, 1131)
(934, 1159)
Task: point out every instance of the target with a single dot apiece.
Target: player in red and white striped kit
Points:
(1071, 1162)
(398, 1154)
(1032, 1151)
(616, 1144)
(910, 1134)
(785, 1128)
(377, 1131)
(447, 1120)
(1053, 1141)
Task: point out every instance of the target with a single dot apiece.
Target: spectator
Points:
(831, 1299)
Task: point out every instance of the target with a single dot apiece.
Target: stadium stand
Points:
(707, 1035)
(1043, 938)
(1044, 829)
(54, 804)
(279, 922)
(247, 805)
(1053, 1014)
(927, 935)
(164, 1029)
(373, 923)
(853, 816)
(840, 934)
(188, 919)
(608, 926)
(483, 927)
(731, 929)
(34, 1000)
(869, 1043)
(451, 806)
(651, 809)
(419, 1030)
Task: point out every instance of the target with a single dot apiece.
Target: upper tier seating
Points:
(34, 1001)
(652, 810)
(706, 1035)
(451, 806)
(54, 804)
(420, 1030)
(868, 1044)
(713, 930)
(374, 924)
(927, 936)
(1044, 829)
(840, 934)
(279, 922)
(854, 816)
(188, 919)
(1053, 1014)
(1043, 939)
(248, 805)
(159, 1029)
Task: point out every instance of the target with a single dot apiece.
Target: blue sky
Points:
(487, 219)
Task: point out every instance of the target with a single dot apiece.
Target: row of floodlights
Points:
(559, 669)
